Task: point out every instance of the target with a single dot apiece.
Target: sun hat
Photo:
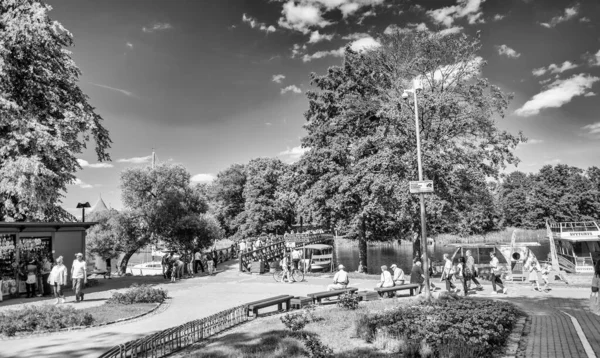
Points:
(393, 265)
(78, 254)
(341, 267)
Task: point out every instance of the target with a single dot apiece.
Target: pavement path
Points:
(552, 332)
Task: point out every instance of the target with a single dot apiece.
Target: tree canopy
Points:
(45, 118)
(362, 140)
(227, 192)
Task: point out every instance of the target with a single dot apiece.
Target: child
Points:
(545, 273)
(534, 267)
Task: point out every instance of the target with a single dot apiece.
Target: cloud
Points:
(509, 52)
(532, 142)
(356, 36)
(291, 88)
(278, 78)
(499, 17)
(558, 93)
(451, 30)
(127, 93)
(593, 60)
(450, 73)
(135, 160)
(553, 161)
(129, 44)
(158, 26)
(570, 13)
(585, 19)
(567, 65)
(471, 9)
(361, 44)
(293, 154)
(256, 24)
(315, 37)
(297, 50)
(301, 17)
(202, 178)
(268, 124)
(80, 183)
(592, 129)
(589, 94)
(392, 29)
(85, 164)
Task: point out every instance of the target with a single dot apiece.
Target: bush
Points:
(474, 327)
(348, 301)
(295, 321)
(139, 294)
(315, 347)
(42, 318)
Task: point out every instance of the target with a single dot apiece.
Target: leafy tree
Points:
(104, 239)
(45, 118)
(228, 196)
(362, 139)
(266, 201)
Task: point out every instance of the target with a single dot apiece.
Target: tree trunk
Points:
(362, 249)
(125, 261)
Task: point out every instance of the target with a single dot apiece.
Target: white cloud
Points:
(85, 164)
(509, 52)
(301, 17)
(558, 93)
(593, 60)
(293, 154)
(315, 37)
(268, 124)
(202, 178)
(451, 30)
(499, 17)
(450, 73)
(592, 129)
(364, 44)
(589, 94)
(570, 13)
(127, 93)
(159, 26)
(391, 29)
(291, 88)
(565, 66)
(356, 36)
(278, 78)
(80, 183)
(585, 19)
(471, 9)
(349, 8)
(136, 160)
(532, 141)
(129, 44)
(256, 24)
(320, 54)
(361, 44)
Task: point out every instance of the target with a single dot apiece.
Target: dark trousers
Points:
(78, 284)
(45, 285)
(449, 283)
(475, 281)
(58, 291)
(496, 281)
(464, 285)
(295, 262)
(198, 263)
(30, 289)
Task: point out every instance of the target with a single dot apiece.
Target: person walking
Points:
(296, 255)
(285, 266)
(210, 264)
(79, 276)
(108, 268)
(496, 273)
(473, 271)
(533, 267)
(46, 269)
(448, 274)
(31, 272)
(198, 262)
(340, 279)
(545, 273)
(57, 279)
(594, 299)
(463, 273)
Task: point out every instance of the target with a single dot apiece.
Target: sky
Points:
(211, 83)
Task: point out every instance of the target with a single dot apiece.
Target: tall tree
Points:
(361, 135)
(45, 118)
(228, 196)
(266, 204)
(104, 239)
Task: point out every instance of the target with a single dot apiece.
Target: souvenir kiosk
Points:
(20, 242)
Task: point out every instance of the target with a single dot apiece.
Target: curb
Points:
(514, 339)
(79, 328)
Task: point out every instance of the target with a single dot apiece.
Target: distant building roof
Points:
(99, 206)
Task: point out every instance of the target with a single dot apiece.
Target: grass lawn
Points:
(268, 337)
(109, 312)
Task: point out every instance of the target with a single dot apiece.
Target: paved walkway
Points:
(552, 333)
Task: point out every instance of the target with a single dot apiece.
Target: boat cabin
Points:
(577, 245)
(318, 257)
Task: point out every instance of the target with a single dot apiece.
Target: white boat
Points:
(575, 246)
(146, 269)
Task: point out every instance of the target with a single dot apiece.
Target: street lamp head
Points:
(405, 95)
(83, 205)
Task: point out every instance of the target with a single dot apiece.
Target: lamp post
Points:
(82, 206)
(421, 195)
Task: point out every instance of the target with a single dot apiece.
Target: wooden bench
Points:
(411, 286)
(318, 296)
(268, 302)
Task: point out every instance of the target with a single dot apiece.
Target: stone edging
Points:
(79, 328)
(514, 339)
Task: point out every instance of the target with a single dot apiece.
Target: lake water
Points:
(402, 255)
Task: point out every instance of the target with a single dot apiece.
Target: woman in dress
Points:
(57, 279)
(464, 273)
(534, 267)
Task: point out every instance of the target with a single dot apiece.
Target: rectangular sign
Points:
(425, 186)
(290, 244)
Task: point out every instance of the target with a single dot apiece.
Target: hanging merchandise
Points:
(8, 264)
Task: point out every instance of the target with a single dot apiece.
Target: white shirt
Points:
(386, 278)
(296, 255)
(398, 274)
(242, 246)
(78, 269)
(198, 256)
(494, 263)
(341, 277)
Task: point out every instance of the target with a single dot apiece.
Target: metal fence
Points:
(170, 340)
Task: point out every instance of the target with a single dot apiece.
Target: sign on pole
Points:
(290, 244)
(425, 186)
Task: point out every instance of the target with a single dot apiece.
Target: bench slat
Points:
(396, 288)
(270, 302)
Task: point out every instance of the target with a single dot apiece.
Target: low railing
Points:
(170, 340)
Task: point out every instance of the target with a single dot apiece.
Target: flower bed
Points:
(463, 328)
(139, 294)
(42, 318)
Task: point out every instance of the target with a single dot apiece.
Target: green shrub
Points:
(42, 318)
(295, 321)
(473, 326)
(348, 301)
(315, 347)
(139, 294)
